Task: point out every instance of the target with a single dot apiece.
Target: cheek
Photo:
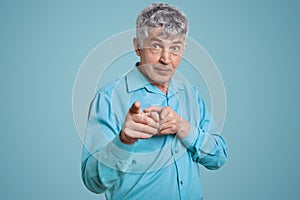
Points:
(149, 56)
(176, 61)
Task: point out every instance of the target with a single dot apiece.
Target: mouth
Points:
(164, 71)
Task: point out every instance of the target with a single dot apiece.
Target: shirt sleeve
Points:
(105, 158)
(205, 144)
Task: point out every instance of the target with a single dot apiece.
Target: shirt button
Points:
(181, 182)
(176, 151)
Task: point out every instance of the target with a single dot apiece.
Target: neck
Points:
(162, 87)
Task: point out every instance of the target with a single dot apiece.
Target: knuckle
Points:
(144, 128)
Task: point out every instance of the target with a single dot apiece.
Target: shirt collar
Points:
(136, 80)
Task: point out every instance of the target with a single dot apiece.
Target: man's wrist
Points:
(184, 129)
(126, 139)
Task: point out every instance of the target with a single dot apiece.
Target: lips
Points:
(163, 72)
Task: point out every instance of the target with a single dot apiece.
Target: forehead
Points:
(158, 34)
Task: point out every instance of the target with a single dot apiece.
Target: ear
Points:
(136, 46)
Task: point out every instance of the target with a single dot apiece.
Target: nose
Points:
(165, 57)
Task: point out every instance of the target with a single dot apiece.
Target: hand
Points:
(169, 121)
(138, 125)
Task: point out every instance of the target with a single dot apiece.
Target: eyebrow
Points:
(156, 39)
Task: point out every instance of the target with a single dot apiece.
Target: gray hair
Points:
(171, 19)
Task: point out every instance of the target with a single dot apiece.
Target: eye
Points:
(175, 48)
(156, 46)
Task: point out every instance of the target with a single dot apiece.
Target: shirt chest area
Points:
(148, 98)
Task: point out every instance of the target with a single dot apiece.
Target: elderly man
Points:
(147, 133)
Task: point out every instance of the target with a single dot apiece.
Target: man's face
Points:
(160, 57)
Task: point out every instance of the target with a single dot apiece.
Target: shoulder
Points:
(109, 88)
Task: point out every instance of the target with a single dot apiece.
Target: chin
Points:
(163, 80)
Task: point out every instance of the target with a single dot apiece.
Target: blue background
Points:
(255, 45)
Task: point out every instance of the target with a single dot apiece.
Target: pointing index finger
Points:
(135, 108)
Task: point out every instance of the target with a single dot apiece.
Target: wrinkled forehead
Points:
(164, 35)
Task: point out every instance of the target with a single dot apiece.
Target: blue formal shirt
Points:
(162, 167)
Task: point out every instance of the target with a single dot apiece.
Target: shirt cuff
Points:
(121, 150)
(117, 155)
(190, 138)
